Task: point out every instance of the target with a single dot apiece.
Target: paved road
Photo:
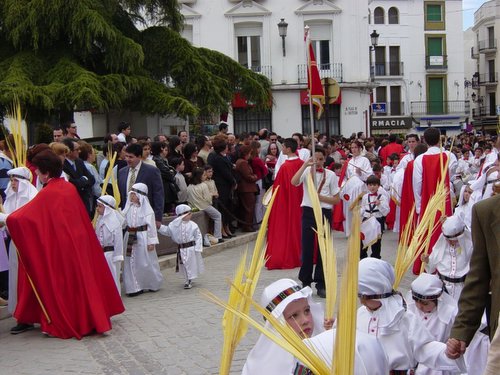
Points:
(173, 331)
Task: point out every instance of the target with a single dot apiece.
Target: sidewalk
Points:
(173, 331)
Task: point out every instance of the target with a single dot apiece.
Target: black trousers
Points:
(308, 245)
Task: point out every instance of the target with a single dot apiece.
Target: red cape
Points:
(338, 217)
(407, 199)
(285, 229)
(66, 264)
(431, 176)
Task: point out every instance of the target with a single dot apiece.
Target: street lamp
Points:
(282, 26)
(374, 40)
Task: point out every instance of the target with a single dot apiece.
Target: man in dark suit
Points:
(482, 279)
(137, 171)
(78, 174)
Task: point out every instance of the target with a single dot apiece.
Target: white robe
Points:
(405, 341)
(451, 262)
(437, 322)
(141, 270)
(111, 235)
(182, 232)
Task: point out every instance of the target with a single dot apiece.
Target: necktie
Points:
(131, 182)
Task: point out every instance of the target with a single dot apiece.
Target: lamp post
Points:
(282, 27)
(374, 42)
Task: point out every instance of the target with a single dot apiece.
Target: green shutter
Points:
(436, 96)
(434, 12)
(435, 46)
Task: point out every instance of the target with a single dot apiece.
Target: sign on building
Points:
(379, 108)
(391, 123)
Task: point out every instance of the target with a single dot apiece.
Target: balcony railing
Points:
(436, 62)
(444, 107)
(388, 69)
(489, 45)
(265, 70)
(483, 111)
(488, 78)
(474, 54)
(392, 109)
(333, 70)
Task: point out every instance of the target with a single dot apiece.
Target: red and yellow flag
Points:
(314, 86)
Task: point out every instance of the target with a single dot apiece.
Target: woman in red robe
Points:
(64, 283)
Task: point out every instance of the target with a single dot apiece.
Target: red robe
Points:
(431, 176)
(407, 199)
(338, 217)
(285, 229)
(60, 252)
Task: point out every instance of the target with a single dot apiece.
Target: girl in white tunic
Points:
(383, 314)
(141, 271)
(109, 233)
(187, 235)
(286, 301)
(434, 308)
(450, 255)
(19, 192)
(464, 206)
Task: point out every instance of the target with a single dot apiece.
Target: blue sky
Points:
(469, 7)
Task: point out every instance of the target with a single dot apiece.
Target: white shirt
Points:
(362, 163)
(418, 169)
(329, 188)
(121, 138)
(137, 168)
(369, 209)
(404, 161)
(303, 153)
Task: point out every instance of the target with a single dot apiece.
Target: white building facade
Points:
(418, 66)
(483, 52)
(247, 31)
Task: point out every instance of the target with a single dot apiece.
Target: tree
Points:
(57, 56)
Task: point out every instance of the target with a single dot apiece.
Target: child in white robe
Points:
(286, 301)
(450, 255)
(434, 308)
(384, 315)
(109, 233)
(141, 270)
(464, 206)
(19, 191)
(187, 235)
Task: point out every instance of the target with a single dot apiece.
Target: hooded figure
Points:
(187, 235)
(435, 309)
(19, 192)
(141, 271)
(109, 233)
(267, 358)
(451, 254)
(383, 314)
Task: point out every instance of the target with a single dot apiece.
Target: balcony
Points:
(392, 109)
(474, 54)
(488, 79)
(333, 70)
(445, 107)
(487, 46)
(483, 111)
(265, 70)
(436, 63)
(388, 69)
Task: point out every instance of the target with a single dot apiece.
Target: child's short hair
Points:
(337, 166)
(176, 162)
(377, 168)
(394, 156)
(373, 180)
(208, 167)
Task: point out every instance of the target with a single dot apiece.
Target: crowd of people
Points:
(227, 176)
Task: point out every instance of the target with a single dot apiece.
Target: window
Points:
(379, 16)
(250, 120)
(394, 61)
(491, 71)
(380, 62)
(393, 16)
(434, 12)
(333, 113)
(396, 106)
(434, 15)
(322, 53)
(491, 37)
(187, 33)
(381, 97)
(321, 36)
(248, 45)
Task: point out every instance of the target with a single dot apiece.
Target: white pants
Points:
(215, 215)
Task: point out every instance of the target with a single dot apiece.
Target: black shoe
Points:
(135, 294)
(304, 285)
(21, 327)
(226, 237)
(220, 240)
(321, 292)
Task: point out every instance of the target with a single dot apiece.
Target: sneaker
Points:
(21, 327)
(188, 285)
(206, 241)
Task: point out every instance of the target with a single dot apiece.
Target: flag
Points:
(314, 86)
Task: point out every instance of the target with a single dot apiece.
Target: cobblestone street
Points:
(173, 331)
